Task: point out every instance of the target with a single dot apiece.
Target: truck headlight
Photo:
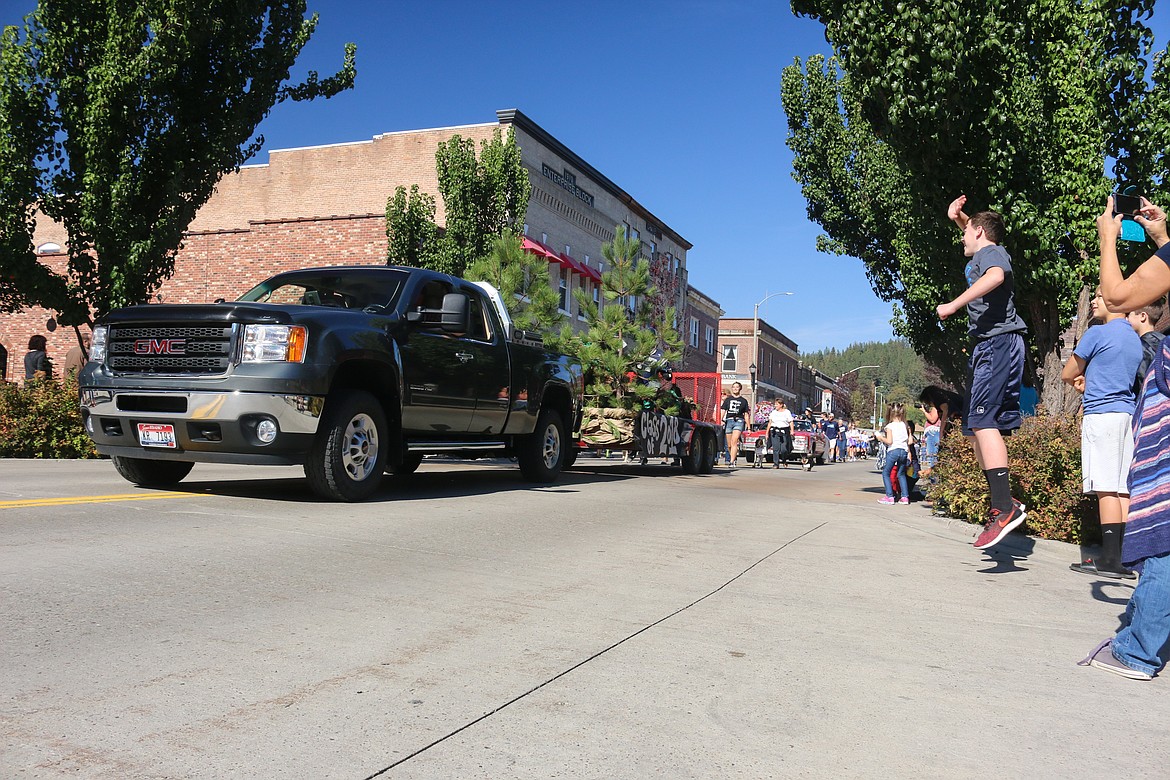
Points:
(97, 343)
(274, 344)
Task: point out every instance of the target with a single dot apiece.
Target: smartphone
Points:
(1126, 205)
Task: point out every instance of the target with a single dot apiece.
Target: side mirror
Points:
(454, 316)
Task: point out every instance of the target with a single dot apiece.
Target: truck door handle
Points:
(464, 356)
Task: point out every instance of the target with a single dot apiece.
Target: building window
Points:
(585, 286)
(694, 331)
(563, 279)
(710, 340)
(653, 249)
(597, 296)
(730, 357)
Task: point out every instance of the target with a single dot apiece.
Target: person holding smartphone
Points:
(1134, 651)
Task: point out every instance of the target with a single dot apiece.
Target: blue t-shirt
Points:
(1112, 353)
(830, 428)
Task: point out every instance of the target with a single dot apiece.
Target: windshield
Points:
(354, 288)
(801, 424)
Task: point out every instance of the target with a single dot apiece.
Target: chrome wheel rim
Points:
(551, 447)
(360, 451)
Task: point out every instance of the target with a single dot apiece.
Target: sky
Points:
(676, 101)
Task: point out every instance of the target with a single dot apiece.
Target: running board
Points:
(433, 446)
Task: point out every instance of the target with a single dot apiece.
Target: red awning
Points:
(573, 265)
(537, 248)
(592, 273)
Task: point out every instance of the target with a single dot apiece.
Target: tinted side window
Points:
(480, 328)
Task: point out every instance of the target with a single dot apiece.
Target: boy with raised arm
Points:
(996, 366)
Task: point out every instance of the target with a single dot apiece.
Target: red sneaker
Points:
(1000, 524)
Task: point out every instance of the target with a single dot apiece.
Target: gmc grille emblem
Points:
(160, 347)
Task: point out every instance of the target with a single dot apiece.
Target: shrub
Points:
(42, 419)
(1044, 456)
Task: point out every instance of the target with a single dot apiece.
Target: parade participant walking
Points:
(1102, 367)
(996, 366)
(735, 410)
(832, 431)
(1134, 652)
(780, 434)
(896, 437)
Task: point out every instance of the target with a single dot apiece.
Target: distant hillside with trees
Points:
(902, 373)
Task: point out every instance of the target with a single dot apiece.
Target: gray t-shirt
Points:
(994, 313)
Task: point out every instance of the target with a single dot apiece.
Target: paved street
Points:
(627, 622)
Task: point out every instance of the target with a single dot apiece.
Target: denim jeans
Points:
(1147, 618)
(900, 459)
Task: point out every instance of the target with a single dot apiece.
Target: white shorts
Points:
(1106, 452)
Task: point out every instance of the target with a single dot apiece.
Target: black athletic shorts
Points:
(994, 374)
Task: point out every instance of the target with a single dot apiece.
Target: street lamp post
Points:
(752, 374)
(756, 341)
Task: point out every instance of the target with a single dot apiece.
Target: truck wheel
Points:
(541, 454)
(408, 466)
(710, 452)
(692, 462)
(571, 453)
(152, 473)
(345, 463)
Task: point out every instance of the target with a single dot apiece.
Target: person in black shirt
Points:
(735, 412)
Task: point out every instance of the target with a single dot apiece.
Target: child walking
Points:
(896, 437)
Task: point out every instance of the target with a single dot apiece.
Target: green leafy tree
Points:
(624, 337)
(410, 229)
(523, 282)
(482, 196)
(119, 118)
(1017, 106)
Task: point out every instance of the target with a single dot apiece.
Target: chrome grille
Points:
(205, 349)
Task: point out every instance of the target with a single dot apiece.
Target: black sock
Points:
(1110, 546)
(1001, 492)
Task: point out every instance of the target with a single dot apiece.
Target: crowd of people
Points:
(1121, 366)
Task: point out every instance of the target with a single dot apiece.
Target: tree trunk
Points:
(1054, 348)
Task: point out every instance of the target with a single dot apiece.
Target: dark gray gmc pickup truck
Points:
(349, 371)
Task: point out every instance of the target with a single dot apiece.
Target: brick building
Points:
(773, 354)
(326, 205)
(700, 326)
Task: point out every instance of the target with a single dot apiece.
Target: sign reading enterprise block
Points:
(568, 181)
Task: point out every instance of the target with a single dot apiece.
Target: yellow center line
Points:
(25, 503)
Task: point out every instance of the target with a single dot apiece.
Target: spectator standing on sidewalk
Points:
(1144, 321)
(996, 366)
(1135, 650)
(1102, 367)
(896, 437)
(36, 361)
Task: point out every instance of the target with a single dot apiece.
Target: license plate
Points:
(156, 435)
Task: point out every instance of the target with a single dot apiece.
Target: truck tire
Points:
(571, 453)
(710, 452)
(692, 462)
(541, 454)
(152, 473)
(408, 466)
(347, 457)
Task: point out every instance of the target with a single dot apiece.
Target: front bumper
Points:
(216, 427)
